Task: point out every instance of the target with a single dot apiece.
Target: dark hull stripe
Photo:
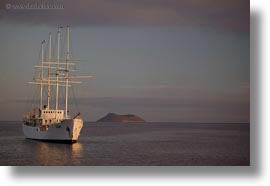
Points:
(55, 141)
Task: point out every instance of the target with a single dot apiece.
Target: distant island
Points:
(112, 117)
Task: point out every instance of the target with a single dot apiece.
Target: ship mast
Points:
(58, 60)
(41, 74)
(50, 59)
(58, 73)
(67, 69)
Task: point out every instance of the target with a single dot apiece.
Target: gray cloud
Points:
(230, 106)
(234, 109)
(230, 15)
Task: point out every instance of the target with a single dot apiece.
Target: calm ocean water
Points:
(133, 144)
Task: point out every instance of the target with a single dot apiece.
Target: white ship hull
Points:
(67, 131)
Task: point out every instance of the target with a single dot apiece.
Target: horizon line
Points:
(181, 122)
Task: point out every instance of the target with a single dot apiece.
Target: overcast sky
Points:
(164, 60)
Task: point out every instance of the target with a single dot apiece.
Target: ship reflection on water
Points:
(59, 154)
(77, 149)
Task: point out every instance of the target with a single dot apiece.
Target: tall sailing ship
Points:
(51, 122)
